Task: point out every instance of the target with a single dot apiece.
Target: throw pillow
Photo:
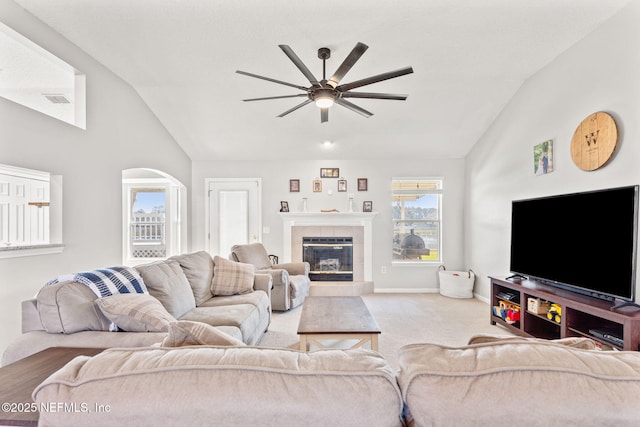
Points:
(135, 312)
(576, 342)
(166, 281)
(231, 278)
(198, 268)
(185, 332)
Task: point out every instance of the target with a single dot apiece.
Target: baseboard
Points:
(481, 298)
(406, 291)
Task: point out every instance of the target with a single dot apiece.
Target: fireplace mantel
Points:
(311, 219)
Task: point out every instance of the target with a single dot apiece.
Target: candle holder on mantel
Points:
(304, 204)
(350, 202)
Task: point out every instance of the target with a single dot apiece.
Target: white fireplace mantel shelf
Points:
(332, 218)
(303, 219)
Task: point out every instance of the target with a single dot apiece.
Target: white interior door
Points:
(234, 213)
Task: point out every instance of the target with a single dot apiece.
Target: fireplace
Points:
(330, 258)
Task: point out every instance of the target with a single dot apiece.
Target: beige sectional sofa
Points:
(493, 381)
(224, 294)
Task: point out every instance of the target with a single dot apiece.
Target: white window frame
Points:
(438, 191)
(175, 227)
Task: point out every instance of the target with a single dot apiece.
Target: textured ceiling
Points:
(469, 58)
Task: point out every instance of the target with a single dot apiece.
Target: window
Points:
(154, 212)
(417, 231)
(30, 212)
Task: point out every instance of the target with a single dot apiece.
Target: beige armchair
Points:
(290, 280)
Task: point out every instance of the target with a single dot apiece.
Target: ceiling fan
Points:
(327, 92)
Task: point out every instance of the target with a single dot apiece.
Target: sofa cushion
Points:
(67, 307)
(246, 317)
(253, 253)
(185, 332)
(240, 386)
(166, 281)
(135, 312)
(198, 268)
(567, 386)
(231, 278)
(577, 342)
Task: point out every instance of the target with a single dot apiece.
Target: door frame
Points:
(207, 215)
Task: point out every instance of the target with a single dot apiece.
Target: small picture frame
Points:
(284, 206)
(294, 185)
(329, 173)
(367, 206)
(342, 185)
(317, 186)
(362, 184)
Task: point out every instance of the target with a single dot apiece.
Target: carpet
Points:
(404, 319)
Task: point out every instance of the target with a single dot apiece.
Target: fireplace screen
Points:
(330, 258)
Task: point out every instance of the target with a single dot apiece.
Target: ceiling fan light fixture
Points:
(324, 98)
(324, 101)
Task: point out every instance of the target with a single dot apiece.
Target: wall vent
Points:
(56, 98)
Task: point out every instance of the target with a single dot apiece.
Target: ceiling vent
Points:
(56, 98)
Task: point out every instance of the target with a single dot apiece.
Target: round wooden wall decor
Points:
(594, 141)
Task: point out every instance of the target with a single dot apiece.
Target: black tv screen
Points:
(583, 241)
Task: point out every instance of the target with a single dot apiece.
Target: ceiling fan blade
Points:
(269, 79)
(324, 115)
(370, 95)
(353, 107)
(348, 62)
(298, 63)
(275, 97)
(375, 79)
(302, 104)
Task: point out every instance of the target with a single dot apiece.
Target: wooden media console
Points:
(580, 315)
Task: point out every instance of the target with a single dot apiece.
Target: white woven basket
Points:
(456, 284)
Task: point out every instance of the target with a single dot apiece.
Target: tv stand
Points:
(581, 315)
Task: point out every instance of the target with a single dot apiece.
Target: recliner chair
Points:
(290, 280)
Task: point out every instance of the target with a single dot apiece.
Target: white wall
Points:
(600, 73)
(275, 187)
(121, 133)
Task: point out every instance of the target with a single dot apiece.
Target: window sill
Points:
(416, 263)
(31, 250)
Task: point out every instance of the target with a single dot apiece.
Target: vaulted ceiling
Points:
(469, 58)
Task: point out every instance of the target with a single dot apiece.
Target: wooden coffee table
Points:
(337, 318)
(19, 379)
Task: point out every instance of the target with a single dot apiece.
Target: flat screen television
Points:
(584, 242)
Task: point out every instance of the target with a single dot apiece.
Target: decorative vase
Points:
(350, 204)
(304, 204)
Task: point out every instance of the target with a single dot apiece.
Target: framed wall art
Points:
(317, 186)
(329, 172)
(367, 206)
(294, 185)
(342, 185)
(284, 206)
(543, 158)
(362, 184)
